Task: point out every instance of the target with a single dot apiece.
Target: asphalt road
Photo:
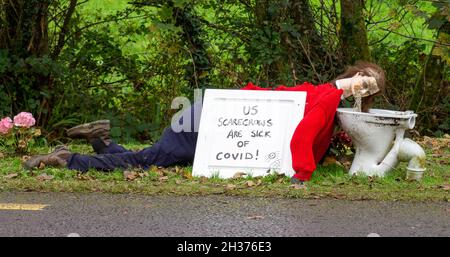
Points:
(89, 215)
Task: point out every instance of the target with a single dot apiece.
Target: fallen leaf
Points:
(256, 217)
(143, 174)
(163, 171)
(157, 170)
(168, 171)
(259, 182)
(329, 160)
(339, 196)
(250, 183)
(81, 176)
(162, 179)
(230, 187)
(298, 186)
(347, 164)
(203, 179)
(178, 182)
(239, 175)
(187, 175)
(45, 177)
(437, 145)
(444, 162)
(129, 175)
(2, 155)
(12, 175)
(446, 187)
(41, 166)
(25, 158)
(160, 173)
(427, 141)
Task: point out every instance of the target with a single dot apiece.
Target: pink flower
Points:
(24, 119)
(6, 124)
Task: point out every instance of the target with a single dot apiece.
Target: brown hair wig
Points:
(366, 69)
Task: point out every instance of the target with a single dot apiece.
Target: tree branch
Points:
(65, 28)
(154, 3)
(417, 38)
(104, 21)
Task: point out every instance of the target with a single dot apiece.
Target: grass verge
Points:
(330, 181)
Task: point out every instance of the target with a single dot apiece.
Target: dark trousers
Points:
(171, 149)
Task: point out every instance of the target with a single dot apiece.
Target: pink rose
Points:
(24, 119)
(6, 124)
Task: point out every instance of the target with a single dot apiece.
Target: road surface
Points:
(106, 215)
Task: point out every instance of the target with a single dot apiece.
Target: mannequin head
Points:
(366, 69)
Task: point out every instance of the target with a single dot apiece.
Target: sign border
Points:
(201, 165)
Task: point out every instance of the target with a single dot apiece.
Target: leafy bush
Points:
(126, 62)
(402, 63)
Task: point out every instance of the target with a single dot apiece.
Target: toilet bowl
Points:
(379, 143)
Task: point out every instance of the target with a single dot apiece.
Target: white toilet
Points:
(379, 143)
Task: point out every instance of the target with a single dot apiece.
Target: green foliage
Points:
(444, 126)
(442, 14)
(413, 49)
(126, 62)
(402, 63)
(18, 80)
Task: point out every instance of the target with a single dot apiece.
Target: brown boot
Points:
(58, 158)
(93, 130)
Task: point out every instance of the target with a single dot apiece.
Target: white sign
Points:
(247, 131)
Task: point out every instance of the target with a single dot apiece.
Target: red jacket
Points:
(313, 134)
